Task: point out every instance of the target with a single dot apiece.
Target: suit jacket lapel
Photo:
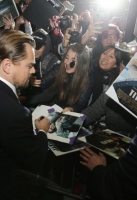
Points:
(6, 89)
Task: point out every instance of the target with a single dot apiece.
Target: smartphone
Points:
(101, 17)
(68, 5)
(38, 72)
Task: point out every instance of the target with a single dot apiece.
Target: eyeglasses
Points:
(110, 36)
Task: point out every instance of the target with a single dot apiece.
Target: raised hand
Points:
(94, 28)
(8, 21)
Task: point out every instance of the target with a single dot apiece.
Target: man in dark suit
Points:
(20, 149)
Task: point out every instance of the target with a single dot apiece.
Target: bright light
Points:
(133, 49)
(108, 4)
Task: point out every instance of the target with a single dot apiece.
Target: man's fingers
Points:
(85, 158)
(86, 152)
(101, 154)
(84, 163)
(89, 151)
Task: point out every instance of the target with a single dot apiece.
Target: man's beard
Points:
(23, 86)
(18, 85)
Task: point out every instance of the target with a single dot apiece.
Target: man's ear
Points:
(6, 65)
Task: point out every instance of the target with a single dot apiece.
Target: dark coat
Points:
(19, 147)
(116, 117)
(118, 181)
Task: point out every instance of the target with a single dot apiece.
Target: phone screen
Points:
(102, 17)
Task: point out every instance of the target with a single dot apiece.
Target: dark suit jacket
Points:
(19, 147)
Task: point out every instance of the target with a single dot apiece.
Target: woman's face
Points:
(107, 60)
(71, 56)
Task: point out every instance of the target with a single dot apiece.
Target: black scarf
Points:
(101, 78)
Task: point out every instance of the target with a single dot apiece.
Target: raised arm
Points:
(94, 28)
(96, 110)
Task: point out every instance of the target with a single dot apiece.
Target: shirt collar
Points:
(10, 85)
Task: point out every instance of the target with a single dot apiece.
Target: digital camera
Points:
(75, 36)
(65, 22)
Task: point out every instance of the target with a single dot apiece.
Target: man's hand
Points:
(91, 159)
(34, 81)
(42, 124)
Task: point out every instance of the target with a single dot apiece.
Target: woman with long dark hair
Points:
(68, 83)
(106, 69)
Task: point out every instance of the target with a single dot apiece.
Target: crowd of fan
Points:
(74, 67)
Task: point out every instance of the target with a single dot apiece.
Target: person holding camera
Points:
(71, 36)
(73, 31)
(44, 59)
(114, 181)
(58, 27)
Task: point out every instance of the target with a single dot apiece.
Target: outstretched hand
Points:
(91, 159)
(8, 21)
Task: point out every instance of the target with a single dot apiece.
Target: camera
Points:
(38, 70)
(65, 22)
(75, 36)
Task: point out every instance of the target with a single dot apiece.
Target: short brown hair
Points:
(12, 45)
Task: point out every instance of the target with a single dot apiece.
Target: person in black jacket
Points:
(19, 147)
(71, 81)
(116, 181)
(106, 69)
(44, 58)
(116, 117)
